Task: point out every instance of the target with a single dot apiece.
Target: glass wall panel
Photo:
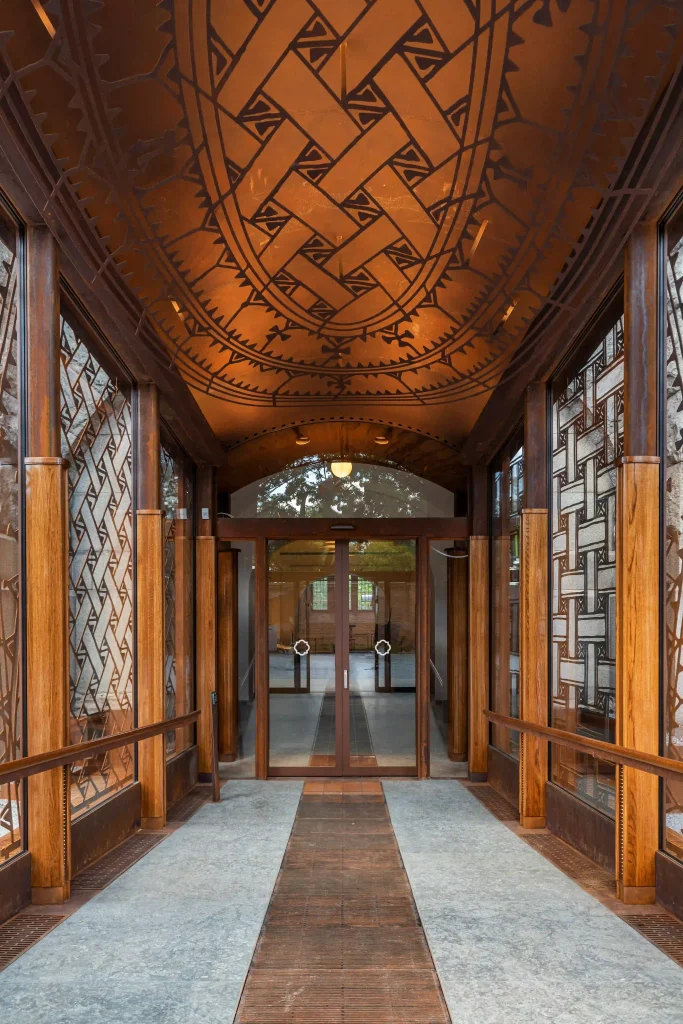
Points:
(177, 504)
(587, 439)
(448, 562)
(507, 502)
(309, 489)
(301, 654)
(97, 442)
(244, 765)
(382, 612)
(11, 679)
(673, 544)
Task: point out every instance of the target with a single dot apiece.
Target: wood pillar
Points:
(228, 696)
(478, 628)
(47, 574)
(533, 611)
(638, 511)
(261, 619)
(206, 633)
(151, 695)
(422, 657)
(457, 656)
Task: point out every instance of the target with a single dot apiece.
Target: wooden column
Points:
(533, 610)
(47, 574)
(261, 618)
(228, 697)
(151, 696)
(206, 645)
(457, 656)
(638, 512)
(478, 628)
(422, 653)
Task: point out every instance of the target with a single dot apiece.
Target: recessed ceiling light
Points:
(381, 439)
(341, 469)
(303, 440)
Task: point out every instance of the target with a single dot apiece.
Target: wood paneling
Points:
(105, 826)
(422, 666)
(637, 673)
(503, 774)
(670, 883)
(457, 657)
(181, 775)
(343, 529)
(533, 664)
(228, 705)
(47, 688)
(206, 648)
(478, 632)
(582, 826)
(151, 696)
(15, 885)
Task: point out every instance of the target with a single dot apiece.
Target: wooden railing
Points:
(665, 767)
(12, 771)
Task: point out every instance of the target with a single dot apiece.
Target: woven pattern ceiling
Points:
(364, 201)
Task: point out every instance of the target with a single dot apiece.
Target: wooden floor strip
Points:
(342, 941)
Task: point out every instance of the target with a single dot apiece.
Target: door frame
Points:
(422, 531)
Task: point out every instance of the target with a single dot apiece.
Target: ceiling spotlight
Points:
(341, 469)
(381, 439)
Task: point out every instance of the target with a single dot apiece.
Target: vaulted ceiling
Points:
(334, 209)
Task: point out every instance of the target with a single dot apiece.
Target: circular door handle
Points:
(385, 649)
(302, 653)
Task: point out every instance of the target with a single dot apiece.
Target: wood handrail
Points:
(665, 767)
(12, 771)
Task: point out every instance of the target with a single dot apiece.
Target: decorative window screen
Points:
(587, 438)
(97, 442)
(320, 595)
(11, 804)
(673, 545)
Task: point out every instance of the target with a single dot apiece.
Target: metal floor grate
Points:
(113, 864)
(492, 800)
(22, 931)
(662, 930)
(189, 805)
(342, 942)
(572, 863)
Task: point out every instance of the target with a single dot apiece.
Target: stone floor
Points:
(513, 939)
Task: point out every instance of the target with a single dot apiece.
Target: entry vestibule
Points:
(343, 647)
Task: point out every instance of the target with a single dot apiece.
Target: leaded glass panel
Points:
(97, 442)
(11, 805)
(587, 438)
(673, 544)
(169, 505)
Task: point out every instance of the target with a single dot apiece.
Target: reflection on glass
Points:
(587, 437)
(244, 764)
(301, 654)
(11, 804)
(310, 489)
(673, 551)
(382, 603)
(508, 500)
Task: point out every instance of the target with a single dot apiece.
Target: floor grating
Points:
(189, 805)
(22, 932)
(663, 931)
(571, 862)
(342, 942)
(493, 801)
(114, 863)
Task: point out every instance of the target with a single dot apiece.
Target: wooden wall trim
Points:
(445, 528)
(533, 611)
(151, 694)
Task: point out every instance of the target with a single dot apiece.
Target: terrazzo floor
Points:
(514, 940)
(170, 941)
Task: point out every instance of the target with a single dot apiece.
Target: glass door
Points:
(305, 727)
(341, 657)
(380, 633)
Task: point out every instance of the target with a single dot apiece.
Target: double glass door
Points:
(341, 657)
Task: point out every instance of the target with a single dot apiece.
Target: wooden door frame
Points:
(422, 531)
